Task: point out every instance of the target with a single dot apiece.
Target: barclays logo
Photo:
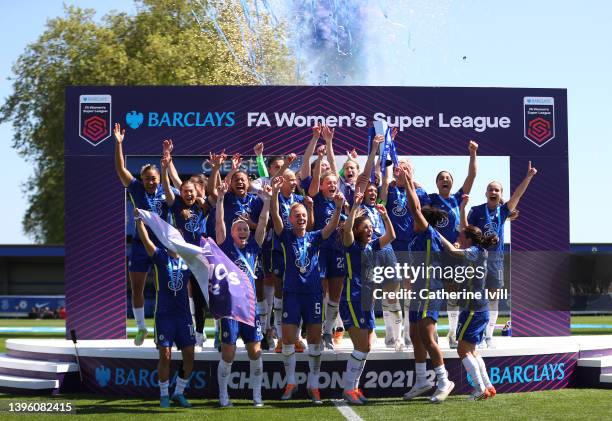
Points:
(134, 119)
(103, 375)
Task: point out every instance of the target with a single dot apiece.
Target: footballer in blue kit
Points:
(173, 322)
(331, 259)
(490, 217)
(147, 194)
(449, 226)
(244, 251)
(189, 214)
(286, 198)
(394, 196)
(474, 315)
(360, 246)
(424, 312)
(302, 290)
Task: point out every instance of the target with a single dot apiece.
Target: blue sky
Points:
(552, 44)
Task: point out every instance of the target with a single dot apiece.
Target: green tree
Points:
(167, 42)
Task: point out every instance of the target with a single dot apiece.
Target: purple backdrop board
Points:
(381, 378)
(525, 124)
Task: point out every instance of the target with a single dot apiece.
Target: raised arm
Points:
(165, 161)
(331, 226)
(143, 234)
(370, 162)
(520, 190)
(216, 160)
(277, 221)
(262, 171)
(124, 175)
(420, 223)
(219, 214)
(308, 204)
(262, 223)
(384, 187)
(316, 176)
(463, 222)
(347, 231)
(286, 163)
(305, 169)
(328, 136)
(389, 235)
(236, 162)
(469, 180)
(167, 148)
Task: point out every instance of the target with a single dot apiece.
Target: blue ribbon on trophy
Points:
(387, 147)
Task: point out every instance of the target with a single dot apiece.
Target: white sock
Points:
(339, 322)
(441, 377)
(407, 319)
(360, 371)
(262, 309)
(223, 372)
(421, 374)
(314, 365)
(256, 375)
(289, 362)
(388, 319)
(278, 317)
(492, 321)
(453, 319)
(353, 365)
(181, 384)
(331, 312)
(139, 316)
(269, 296)
(191, 306)
(163, 388)
(397, 324)
(472, 368)
(483, 372)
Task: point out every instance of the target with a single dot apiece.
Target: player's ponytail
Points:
(478, 238)
(433, 215)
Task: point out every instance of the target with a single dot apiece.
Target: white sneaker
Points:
(224, 401)
(490, 343)
(389, 342)
(407, 342)
(441, 394)
(257, 401)
(399, 346)
(199, 337)
(417, 390)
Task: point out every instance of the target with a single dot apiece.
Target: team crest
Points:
(442, 223)
(193, 224)
(398, 209)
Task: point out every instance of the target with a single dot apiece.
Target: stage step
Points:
(26, 383)
(595, 372)
(14, 363)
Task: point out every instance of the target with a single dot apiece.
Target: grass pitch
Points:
(574, 404)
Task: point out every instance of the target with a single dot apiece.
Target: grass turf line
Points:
(575, 404)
